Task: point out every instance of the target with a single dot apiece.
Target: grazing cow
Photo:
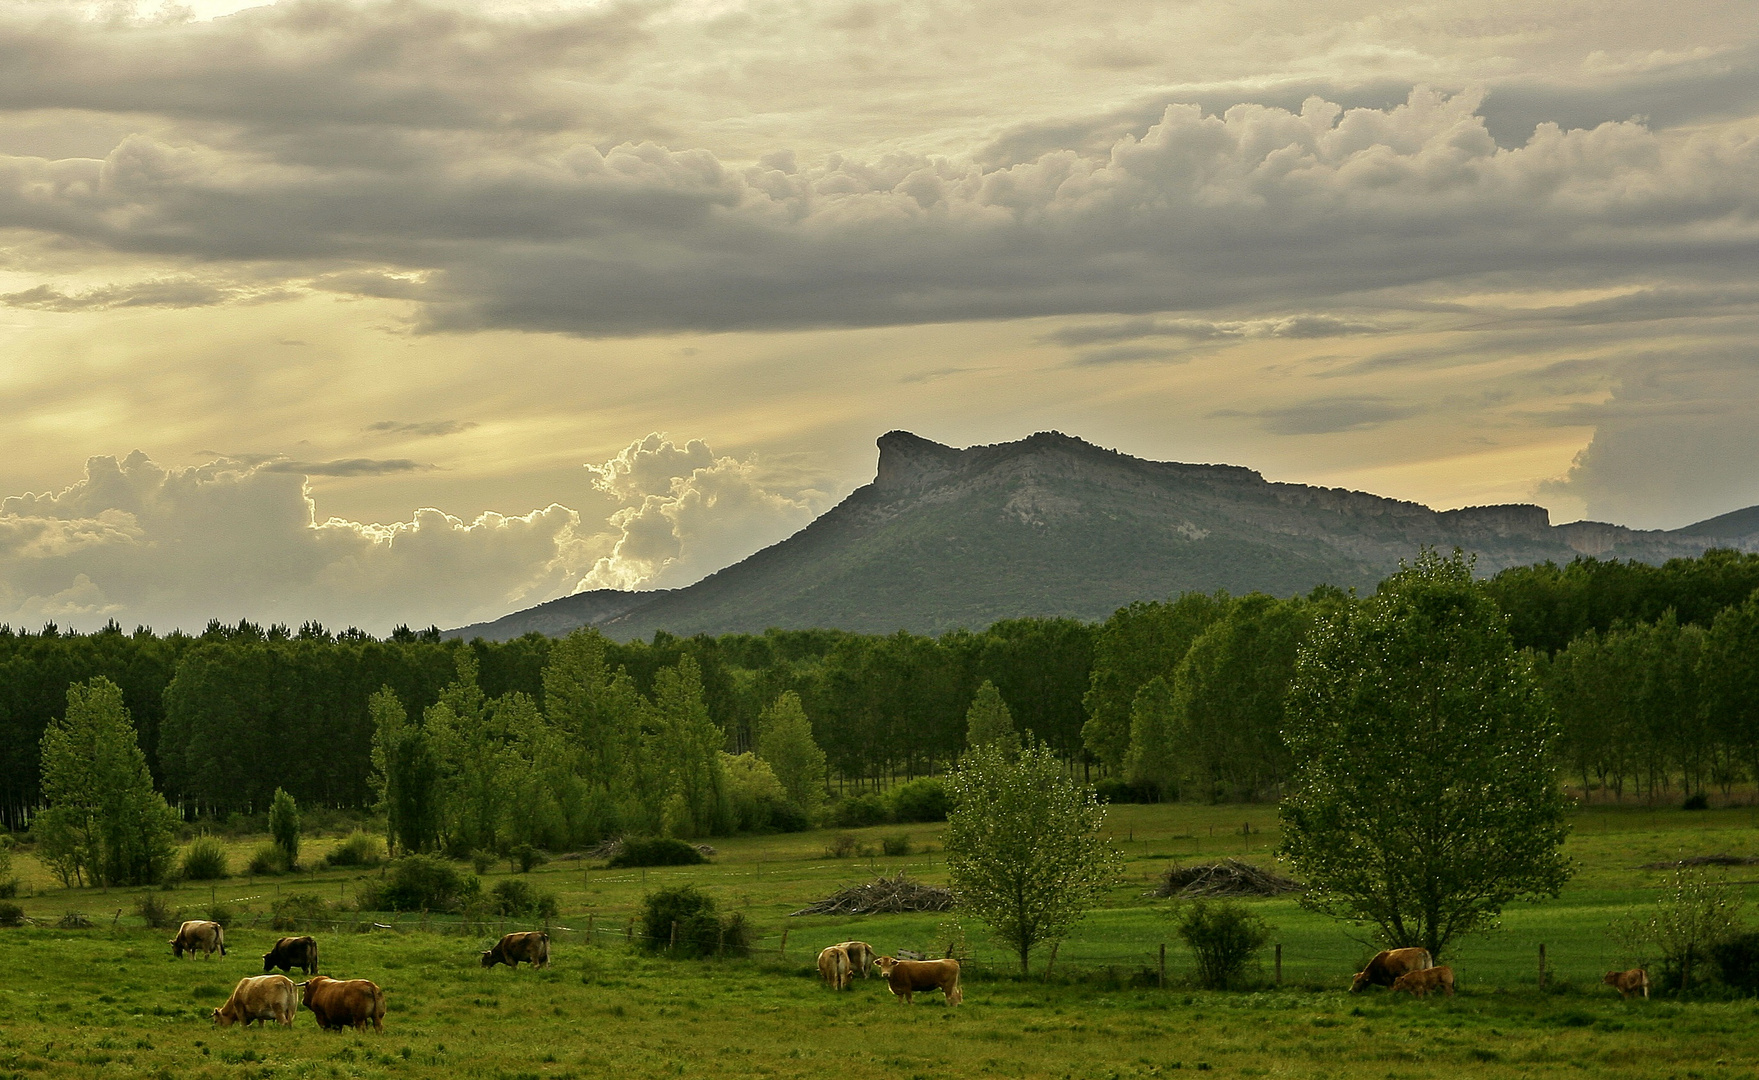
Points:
(833, 967)
(1628, 983)
(1388, 965)
(340, 1003)
(532, 946)
(293, 952)
(198, 934)
(259, 998)
(1422, 981)
(908, 976)
(860, 954)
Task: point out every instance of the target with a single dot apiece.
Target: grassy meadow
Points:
(111, 1001)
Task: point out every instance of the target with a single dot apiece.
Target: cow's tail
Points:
(955, 995)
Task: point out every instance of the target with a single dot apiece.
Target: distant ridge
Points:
(1051, 525)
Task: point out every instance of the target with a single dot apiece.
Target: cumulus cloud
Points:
(689, 512)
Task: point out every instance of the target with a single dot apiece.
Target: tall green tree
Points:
(284, 825)
(1424, 799)
(785, 742)
(686, 748)
(1139, 642)
(105, 824)
(1154, 755)
(405, 776)
(1023, 846)
(988, 721)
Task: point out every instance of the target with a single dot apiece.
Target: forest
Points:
(1653, 671)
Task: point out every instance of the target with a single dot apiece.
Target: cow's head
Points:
(269, 961)
(488, 957)
(1360, 981)
(222, 1018)
(885, 964)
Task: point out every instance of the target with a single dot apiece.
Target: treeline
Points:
(1176, 698)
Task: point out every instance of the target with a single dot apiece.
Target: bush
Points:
(861, 811)
(1114, 790)
(298, 911)
(921, 800)
(896, 845)
(482, 861)
(1699, 801)
(11, 914)
(1737, 962)
(656, 851)
(9, 888)
(284, 825)
(524, 857)
(158, 914)
(360, 849)
(700, 929)
(268, 860)
(841, 846)
(421, 883)
(204, 860)
(1223, 939)
(222, 913)
(515, 897)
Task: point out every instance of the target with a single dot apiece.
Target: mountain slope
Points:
(1052, 525)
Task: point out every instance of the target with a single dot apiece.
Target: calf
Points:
(1628, 983)
(293, 952)
(199, 934)
(531, 946)
(259, 998)
(1388, 965)
(860, 955)
(1420, 982)
(833, 967)
(905, 977)
(340, 1003)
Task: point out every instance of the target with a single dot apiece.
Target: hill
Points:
(1051, 525)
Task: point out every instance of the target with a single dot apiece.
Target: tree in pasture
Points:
(1154, 758)
(405, 776)
(988, 721)
(284, 826)
(1693, 914)
(784, 741)
(1023, 846)
(1424, 798)
(686, 749)
(104, 823)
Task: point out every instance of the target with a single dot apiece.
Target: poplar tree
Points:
(784, 741)
(988, 721)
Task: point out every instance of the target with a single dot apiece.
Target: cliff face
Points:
(1052, 525)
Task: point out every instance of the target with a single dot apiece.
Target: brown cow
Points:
(908, 976)
(833, 967)
(199, 934)
(1388, 965)
(531, 946)
(257, 999)
(860, 954)
(340, 1003)
(1422, 981)
(293, 952)
(1628, 983)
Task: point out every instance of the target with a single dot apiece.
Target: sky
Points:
(415, 312)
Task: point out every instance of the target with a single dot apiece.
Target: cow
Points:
(293, 952)
(532, 946)
(1388, 965)
(860, 955)
(905, 977)
(340, 1003)
(1628, 983)
(833, 967)
(1423, 980)
(198, 934)
(258, 999)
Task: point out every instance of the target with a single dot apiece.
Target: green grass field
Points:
(111, 1001)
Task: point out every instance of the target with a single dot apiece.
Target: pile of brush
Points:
(882, 896)
(1703, 860)
(1230, 877)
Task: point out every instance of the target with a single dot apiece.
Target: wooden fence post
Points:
(1686, 971)
(673, 946)
(785, 944)
(629, 932)
(1542, 965)
(1048, 967)
(1161, 980)
(589, 928)
(1279, 963)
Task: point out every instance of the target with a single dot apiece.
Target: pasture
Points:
(110, 1001)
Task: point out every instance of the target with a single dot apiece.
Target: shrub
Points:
(1737, 962)
(284, 825)
(524, 857)
(1699, 801)
(360, 849)
(156, 911)
(11, 914)
(861, 811)
(9, 888)
(1114, 790)
(516, 897)
(700, 929)
(298, 911)
(921, 800)
(1223, 939)
(267, 860)
(422, 883)
(220, 912)
(481, 861)
(841, 846)
(896, 845)
(656, 851)
(204, 859)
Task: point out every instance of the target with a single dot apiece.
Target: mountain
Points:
(1052, 525)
